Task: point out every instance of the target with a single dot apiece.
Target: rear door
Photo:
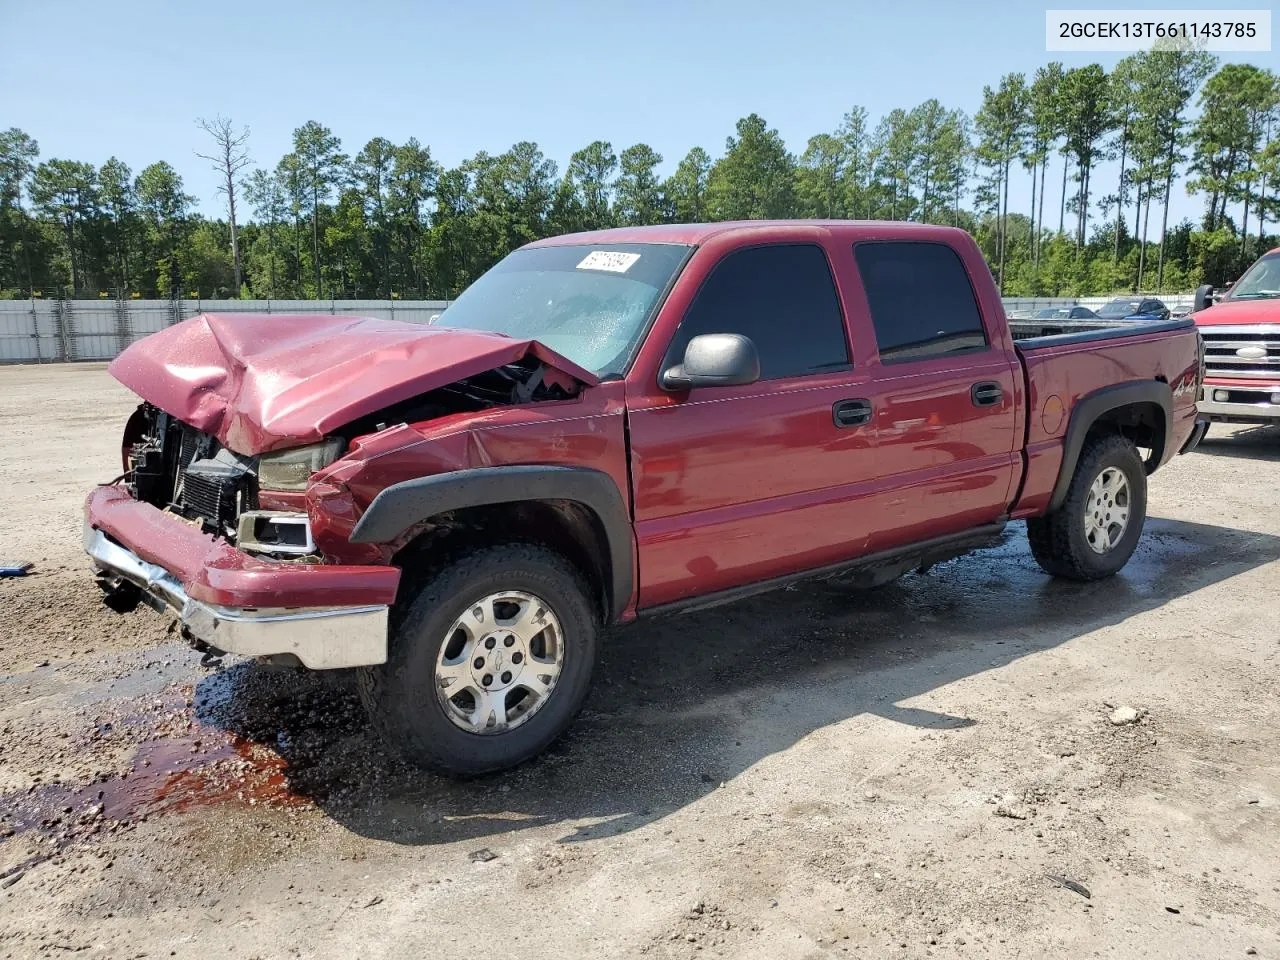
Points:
(944, 389)
(733, 485)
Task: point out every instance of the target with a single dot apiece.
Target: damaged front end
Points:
(260, 442)
(261, 384)
(528, 380)
(189, 475)
(257, 502)
(176, 468)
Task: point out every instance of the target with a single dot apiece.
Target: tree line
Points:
(390, 221)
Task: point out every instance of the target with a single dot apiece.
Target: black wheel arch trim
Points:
(402, 505)
(1093, 406)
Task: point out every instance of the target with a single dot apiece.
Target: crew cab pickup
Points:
(1242, 346)
(608, 425)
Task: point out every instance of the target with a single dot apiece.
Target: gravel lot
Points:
(929, 769)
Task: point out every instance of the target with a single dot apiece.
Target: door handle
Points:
(986, 394)
(851, 413)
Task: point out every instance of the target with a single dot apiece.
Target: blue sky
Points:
(129, 77)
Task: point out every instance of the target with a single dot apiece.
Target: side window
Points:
(783, 298)
(922, 304)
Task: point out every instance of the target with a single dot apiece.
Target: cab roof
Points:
(696, 234)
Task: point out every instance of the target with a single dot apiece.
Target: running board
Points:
(875, 568)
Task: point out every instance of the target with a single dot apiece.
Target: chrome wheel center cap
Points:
(497, 667)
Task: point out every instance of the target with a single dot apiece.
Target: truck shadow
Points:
(1246, 443)
(680, 705)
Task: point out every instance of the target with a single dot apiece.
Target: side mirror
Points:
(1203, 298)
(714, 360)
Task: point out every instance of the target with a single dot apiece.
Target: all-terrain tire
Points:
(400, 695)
(1059, 541)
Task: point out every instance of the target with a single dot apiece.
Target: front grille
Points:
(1260, 345)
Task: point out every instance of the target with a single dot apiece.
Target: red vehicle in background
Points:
(1241, 331)
(608, 425)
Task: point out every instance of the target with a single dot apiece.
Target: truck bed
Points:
(1066, 361)
(1027, 333)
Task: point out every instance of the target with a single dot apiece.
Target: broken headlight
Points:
(290, 469)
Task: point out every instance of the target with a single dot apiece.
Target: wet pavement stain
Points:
(184, 739)
(177, 764)
(177, 775)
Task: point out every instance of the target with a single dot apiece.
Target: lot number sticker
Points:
(611, 262)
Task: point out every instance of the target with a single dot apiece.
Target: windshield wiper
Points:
(1263, 295)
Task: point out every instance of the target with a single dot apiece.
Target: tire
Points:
(1060, 541)
(427, 728)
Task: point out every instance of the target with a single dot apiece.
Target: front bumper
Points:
(1242, 404)
(326, 616)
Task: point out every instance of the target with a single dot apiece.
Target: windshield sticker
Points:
(611, 262)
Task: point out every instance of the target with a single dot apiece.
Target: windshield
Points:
(589, 303)
(1053, 313)
(1260, 282)
(1119, 309)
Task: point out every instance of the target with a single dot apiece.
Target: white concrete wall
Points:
(45, 330)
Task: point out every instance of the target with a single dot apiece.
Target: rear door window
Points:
(922, 303)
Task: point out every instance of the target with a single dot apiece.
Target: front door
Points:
(734, 485)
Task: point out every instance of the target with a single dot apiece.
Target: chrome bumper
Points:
(1245, 404)
(320, 637)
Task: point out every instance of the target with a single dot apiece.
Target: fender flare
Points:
(402, 505)
(1094, 405)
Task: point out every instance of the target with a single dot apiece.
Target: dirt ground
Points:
(929, 769)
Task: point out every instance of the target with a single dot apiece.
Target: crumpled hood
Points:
(266, 382)
(1239, 311)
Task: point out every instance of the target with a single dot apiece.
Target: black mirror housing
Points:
(714, 360)
(1203, 298)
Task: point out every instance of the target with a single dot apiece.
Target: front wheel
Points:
(487, 664)
(1095, 531)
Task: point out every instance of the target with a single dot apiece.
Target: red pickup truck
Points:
(1242, 346)
(608, 425)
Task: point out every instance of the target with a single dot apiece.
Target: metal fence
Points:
(41, 331)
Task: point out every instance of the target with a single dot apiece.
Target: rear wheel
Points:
(487, 663)
(1095, 531)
